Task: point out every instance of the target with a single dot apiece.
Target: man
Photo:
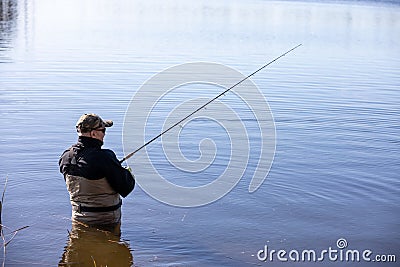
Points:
(95, 178)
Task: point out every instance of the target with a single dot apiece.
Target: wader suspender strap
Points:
(72, 159)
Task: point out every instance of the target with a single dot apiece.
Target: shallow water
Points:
(335, 102)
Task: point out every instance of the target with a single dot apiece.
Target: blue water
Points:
(335, 102)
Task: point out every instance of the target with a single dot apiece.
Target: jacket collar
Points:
(90, 142)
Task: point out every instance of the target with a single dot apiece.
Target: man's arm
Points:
(120, 179)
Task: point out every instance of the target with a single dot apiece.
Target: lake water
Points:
(335, 102)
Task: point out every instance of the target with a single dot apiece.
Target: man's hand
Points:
(128, 168)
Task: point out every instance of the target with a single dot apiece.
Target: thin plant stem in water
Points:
(13, 233)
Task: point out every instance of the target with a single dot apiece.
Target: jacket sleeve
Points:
(64, 161)
(120, 179)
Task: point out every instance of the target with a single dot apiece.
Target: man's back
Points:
(95, 180)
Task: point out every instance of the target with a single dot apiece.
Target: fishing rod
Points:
(204, 105)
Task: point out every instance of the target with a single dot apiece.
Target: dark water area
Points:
(335, 102)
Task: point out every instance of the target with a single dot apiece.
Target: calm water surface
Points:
(335, 100)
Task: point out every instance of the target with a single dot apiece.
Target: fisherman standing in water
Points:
(94, 177)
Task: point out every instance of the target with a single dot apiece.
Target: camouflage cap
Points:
(88, 122)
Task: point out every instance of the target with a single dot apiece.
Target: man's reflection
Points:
(94, 246)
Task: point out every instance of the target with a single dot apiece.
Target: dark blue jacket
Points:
(87, 159)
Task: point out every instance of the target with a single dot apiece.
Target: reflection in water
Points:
(8, 24)
(8, 15)
(90, 246)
